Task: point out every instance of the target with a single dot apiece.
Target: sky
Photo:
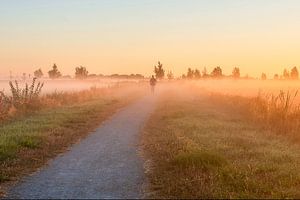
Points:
(130, 36)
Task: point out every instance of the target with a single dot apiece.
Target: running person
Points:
(152, 84)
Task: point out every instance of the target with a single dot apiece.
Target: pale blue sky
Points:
(111, 36)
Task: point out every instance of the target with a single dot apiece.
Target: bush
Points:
(27, 98)
(21, 100)
(4, 105)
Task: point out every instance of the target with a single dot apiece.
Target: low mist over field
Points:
(154, 99)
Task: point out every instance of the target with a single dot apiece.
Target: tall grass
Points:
(29, 99)
(4, 105)
(279, 113)
(20, 100)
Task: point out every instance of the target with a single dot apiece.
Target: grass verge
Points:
(198, 148)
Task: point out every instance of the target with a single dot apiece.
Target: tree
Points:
(263, 76)
(217, 72)
(38, 73)
(286, 74)
(159, 71)
(170, 75)
(197, 74)
(190, 74)
(236, 73)
(54, 73)
(276, 77)
(294, 73)
(81, 72)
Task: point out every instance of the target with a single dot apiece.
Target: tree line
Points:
(82, 73)
(160, 73)
(217, 73)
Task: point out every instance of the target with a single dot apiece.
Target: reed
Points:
(279, 113)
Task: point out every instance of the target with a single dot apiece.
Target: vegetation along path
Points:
(104, 165)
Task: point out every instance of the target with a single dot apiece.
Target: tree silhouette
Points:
(190, 74)
(263, 76)
(38, 73)
(170, 75)
(294, 73)
(81, 72)
(217, 72)
(236, 73)
(54, 73)
(197, 74)
(159, 71)
(286, 74)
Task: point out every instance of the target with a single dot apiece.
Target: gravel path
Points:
(104, 165)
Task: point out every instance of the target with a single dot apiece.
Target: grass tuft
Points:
(199, 159)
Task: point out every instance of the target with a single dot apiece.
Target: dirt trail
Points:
(104, 165)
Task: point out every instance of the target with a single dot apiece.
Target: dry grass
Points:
(279, 113)
(201, 147)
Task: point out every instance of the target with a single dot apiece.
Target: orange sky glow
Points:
(131, 36)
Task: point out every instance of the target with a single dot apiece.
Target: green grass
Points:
(29, 141)
(29, 132)
(199, 149)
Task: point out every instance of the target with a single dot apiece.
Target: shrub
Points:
(22, 100)
(4, 105)
(27, 98)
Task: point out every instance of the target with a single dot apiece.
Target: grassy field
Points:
(201, 147)
(27, 142)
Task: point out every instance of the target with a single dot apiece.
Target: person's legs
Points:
(152, 89)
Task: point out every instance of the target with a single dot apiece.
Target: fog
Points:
(246, 88)
(67, 85)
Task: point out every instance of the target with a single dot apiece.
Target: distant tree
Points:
(190, 73)
(170, 75)
(54, 73)
(81, 73)
(286, 74)
(92, 76)
(294, 73)
(217, 72)
(159, 71)
(183, 76)
(276, 77)
(136, 76)
(66, 77)
(197, 74)
(38, 73)
(236, 73)
(204, 73)
(263, 76)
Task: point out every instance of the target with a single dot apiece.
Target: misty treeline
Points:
(80, 73)
(217, 72)
(160, 73)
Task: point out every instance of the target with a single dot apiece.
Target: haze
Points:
(117, 36)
